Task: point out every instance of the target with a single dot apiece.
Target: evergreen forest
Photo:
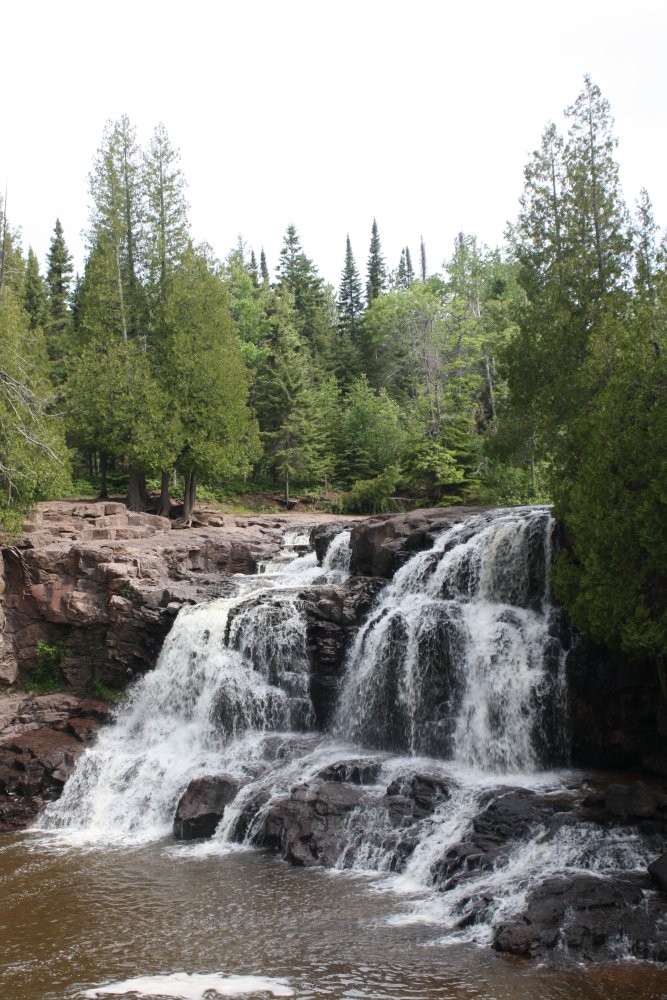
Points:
(531, 373)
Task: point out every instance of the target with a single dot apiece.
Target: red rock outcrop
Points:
(108, 583)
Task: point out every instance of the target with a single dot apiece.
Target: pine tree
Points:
(597, 219)
(58, 279)
(33, 457)
(34, 293)
(263, 268)
(206, 380)
(350, 304)
(253, 270)
(377, 272)
(285, 401)
(572, 245)
(422, 258)
(117, 224)
(646, 249)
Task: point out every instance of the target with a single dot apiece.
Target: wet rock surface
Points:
(202, 805)
(578, 916)
(589, 918)
(41, 738)
(382, 544)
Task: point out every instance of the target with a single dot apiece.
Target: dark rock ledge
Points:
(580, 916)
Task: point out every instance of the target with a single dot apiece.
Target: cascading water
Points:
(214, 682)
(459, 660)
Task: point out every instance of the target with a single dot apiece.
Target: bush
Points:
(47, 676)
(372, 496)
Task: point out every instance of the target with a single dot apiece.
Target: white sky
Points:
(321, 113)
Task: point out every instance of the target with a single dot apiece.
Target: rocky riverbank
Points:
(97, 587)
(348, 811)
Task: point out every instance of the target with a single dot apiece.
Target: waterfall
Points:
(454, 681)
(459, 659)
(228, 667)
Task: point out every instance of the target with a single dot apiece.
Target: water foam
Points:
(183, 986)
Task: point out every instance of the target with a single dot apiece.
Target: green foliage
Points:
(205, 378)
(116, 405)
(47, 675)
(107, 693)
(614, 579)
(432, 470)
(377, 271)
(33, 457)
(587, 379)
(372, 496)
(509, 486)
(372, 433)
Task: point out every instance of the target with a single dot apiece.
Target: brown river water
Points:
(72, 920)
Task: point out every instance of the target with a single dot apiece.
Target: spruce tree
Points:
(377, 272)
(263, 268)
(58, 279)
(350, 304)
(422, 258)
(34, 293)
(315, 321)
(409, 270)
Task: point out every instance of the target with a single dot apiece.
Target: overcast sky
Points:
(323, 114)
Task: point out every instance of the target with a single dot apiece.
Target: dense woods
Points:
(535, 372)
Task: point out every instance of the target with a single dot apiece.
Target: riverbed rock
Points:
(587, 917)
(637, 800)
(308, 826)
(202, 805)
(380, 545)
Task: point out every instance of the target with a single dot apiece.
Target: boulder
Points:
(381, 545)
(308, 826)
(592, 917)
(202, 805)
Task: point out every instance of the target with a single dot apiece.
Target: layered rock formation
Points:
(109, 582)
(41, 737)
(98, 587)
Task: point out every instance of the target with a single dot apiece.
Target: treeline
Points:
(164, 360)
(532, 373)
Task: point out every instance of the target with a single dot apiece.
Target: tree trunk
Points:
(137, 498)
(104, 489)
(190, 496)
(164, 506)
(287, 489)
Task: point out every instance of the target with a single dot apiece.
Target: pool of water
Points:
(76, 920)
